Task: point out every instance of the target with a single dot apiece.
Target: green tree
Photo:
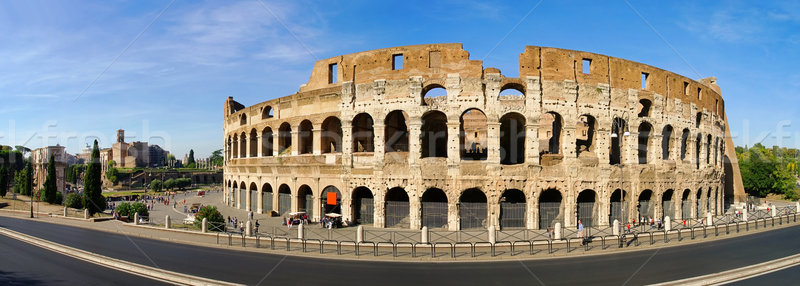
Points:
(215, 220)
(182, 183)
(73, 201)
(156, 185)
(216, 158)
(140, 208)
(27, 180)
(112, 174)
(170, 184)
(50, 181)
(3, 181)
(191, 157)
(92, 192)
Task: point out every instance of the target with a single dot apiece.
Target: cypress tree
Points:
(191, 157)
(27, 179)
(3, 181)
(92, 185)
(50, 181)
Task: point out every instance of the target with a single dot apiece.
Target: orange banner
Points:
(331, 199)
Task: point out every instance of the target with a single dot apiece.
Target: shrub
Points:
(73, 201)
(58, 199)
(140, 208)
(156, 185)
(215, 220)
(123, 209)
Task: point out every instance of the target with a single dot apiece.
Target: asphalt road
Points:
(631, 268)
(23, 264)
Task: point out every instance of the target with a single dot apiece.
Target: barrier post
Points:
(667, 223)
(709, 219)
(424, 235)
(86, 214)
(167, 222)
(135, 217)
(65, 211)
(492, 235)
(744, 215)
(248, 228)
(205, 225)
(615, 231)
(557, 231)
(360, 234)
(301, 231)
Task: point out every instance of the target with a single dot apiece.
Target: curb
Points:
(742, 273)
(116, 264)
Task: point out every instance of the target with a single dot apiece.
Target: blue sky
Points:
(73, 71)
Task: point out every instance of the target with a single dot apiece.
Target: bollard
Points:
(774, 211)
(557, 231)
(667, 223)
(248, 228)
(615, 231)
(65, 211)
(167, 222)
(492, 235)
(796, 207)
(85, 213)
(360, 234)
(709, 219)
(205, 225)
(136, 219)
(301, 231)
(744, 214)
(424, 239)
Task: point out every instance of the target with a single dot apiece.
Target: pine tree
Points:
(191, 157)
(92, 185)
(50, 181)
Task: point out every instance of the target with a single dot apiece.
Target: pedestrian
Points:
(257, 226)
(580, 232)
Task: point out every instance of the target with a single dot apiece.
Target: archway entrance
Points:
(617, 207)
(699, 209)
(645, 208)
(549, 208)
(686, 205)
(253, 197)
(434, 135)
(472, 209)
(512, 209)
(363, 206)
(397, 208)
(586, 209)
(512, 139)
(305, 200)
(242, 196)
(284, 199)
(331, 200)
(266, 198)
(434, 208)
(667, 206)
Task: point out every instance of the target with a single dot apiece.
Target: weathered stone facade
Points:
(367, 129)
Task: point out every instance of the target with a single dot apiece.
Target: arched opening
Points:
(266, 198)
(699, 207)
(233, 195)
(432, 93)
(228, 149)
(253, 197)
(512, 90)
(550, 208)
(472, 209)
(266, 112)
(710, 206)
(266, 142)
(305, 138)
(667, 206)
(235, 146)
(644, 140)
(550, 132)
(619, 129)
(618, 207)
(512, 208)
(644, 107)
(243, 119)
(396, 132)
(397, 208)
(331, 200)
(253, 143)
(363, 206)
(434, 208)
(434, 134)
(284, 138)
(716, 151)
(584, 137)
(666, 136)
(698, 119)
(708, 149)
(512, 139)
(686, 204)
(587, 213)
(243, 145)
(284, 199)
(684, 142)
(697, 149)
(305, 200)
(363, 133)
(473, 135)
(242, 196)
(331, 135)
(645, 208)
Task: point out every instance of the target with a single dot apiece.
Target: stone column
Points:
(260, 200)
(493, 142)
(453, 222)
(275, 143)
(378, 142)
(415, 212)
(531, 144)
(317, 215)
(259, 143)
(316, 141)
(295, 141)
(453, 143)
(379, 207)
(248, 199)
(631, 149)
(654, 152)
(414, 149)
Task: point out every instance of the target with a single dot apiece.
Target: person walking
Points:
(580, 232)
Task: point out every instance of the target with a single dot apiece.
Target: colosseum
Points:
(421, 135)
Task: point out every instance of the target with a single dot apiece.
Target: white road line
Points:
(738, 274)
(167, 276)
